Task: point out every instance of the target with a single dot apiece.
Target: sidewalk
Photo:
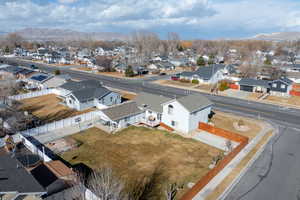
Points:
(211, 186)
(212, 140)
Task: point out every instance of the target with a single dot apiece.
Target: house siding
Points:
(180, 116)
(277, 90)
(198, 116)
(108, 100)
(130, 120)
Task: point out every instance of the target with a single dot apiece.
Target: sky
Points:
(191, 19)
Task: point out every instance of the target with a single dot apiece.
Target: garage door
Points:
(246, 88)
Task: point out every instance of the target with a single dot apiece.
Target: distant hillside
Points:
(280, 36)
(44, 34)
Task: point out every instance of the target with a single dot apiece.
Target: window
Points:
(170, 109)
(274, 85)
(111, 99)
(126, 119)
(282, 86)
(173, 123)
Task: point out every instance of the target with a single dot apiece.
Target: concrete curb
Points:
(244, 170)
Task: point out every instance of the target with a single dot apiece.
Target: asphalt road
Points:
(274, 175)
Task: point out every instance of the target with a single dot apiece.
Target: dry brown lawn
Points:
(137, 152)
(226, 120)
(292, 100)
(48, 109)
(84, 68)
(175, 83)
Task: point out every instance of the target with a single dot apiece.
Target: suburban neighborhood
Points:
(137, 101)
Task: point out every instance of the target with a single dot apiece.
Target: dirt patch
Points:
(226, 121)
(136, 152)
(175, 83)
(292, 100)
(48, 108)
(84, 69)
(62, 145)
(238, 169)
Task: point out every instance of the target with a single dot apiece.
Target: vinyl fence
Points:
(68, 122)
(43, 153)
(36, 148)
(34, 94)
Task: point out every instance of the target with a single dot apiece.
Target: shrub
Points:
(57, 72)
(184, 80)
(223, 86)
(195, 81)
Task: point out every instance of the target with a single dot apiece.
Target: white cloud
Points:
(206, 18)
(67, 1)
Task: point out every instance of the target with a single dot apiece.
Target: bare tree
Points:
(146, 43)
(171, 191)
(173, 41)
(103, 183)
(14, 40)
(105, 62)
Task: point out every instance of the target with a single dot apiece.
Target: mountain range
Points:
(279, 36)
(45, 34)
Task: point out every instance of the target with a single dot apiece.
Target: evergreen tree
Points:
(6, 50)
(201, 61)
(129, 71)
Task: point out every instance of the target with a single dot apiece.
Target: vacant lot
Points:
(48, 108)
(226, 121)
(292, 100)
(175, 83)
(137, 152)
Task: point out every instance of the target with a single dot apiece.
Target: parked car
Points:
(162, 74)
(33, 67)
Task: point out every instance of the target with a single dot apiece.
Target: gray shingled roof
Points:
(86, 90)
(118, 112)
(254, 82)
(14, 178)
(151, 101)
(286, 80)
(90, 93)
(75, 85)
(194, 102)
(205, 72)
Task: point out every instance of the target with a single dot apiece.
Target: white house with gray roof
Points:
(185, 113)
(182, 114)
(152, 106)
(87, 94)
(208, 75)
(122, 115)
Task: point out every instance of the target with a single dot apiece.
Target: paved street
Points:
(274, 175)
(277, 172)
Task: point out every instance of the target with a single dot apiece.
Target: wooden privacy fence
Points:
(242, 140)
(294, 93)
(234, 86)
